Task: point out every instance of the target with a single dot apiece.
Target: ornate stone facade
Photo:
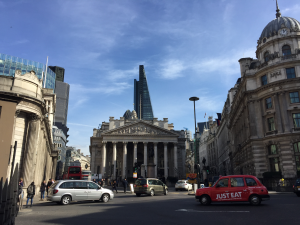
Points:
(31, 127)
(158, 150)
(264, 117)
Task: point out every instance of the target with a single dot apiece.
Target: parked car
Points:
(65, 191)
(235, 188)
(183, 185)
(149, 186)
(296, 187)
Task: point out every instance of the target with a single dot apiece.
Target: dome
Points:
(133, 115)
(127, 114)
(280, 22)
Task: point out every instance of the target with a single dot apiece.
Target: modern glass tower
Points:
(9, 64)
(142, 100)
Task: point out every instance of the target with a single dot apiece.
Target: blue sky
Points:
(188, 47)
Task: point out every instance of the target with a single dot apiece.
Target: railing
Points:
(285, 57)
(9, 199)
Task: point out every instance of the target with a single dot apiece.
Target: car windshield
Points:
(140, 182)
(180, 182)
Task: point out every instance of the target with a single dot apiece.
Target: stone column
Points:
(103, 158)
(175, 160)
(166, 159)
(155, 158)
(114, 159)
(134, 152)
(31, 142)
(277, 114)
(145, 160)
(54, 163)
(283, 107)
(124, 173)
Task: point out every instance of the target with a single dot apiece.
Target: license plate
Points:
(139, 186)
(298, 186)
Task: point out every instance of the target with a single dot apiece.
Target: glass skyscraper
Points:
(142, 100)
(9, 64)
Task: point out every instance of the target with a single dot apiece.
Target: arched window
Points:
(286, 50)
(266, 56)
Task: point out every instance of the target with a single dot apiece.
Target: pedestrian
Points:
(99, 183)
(30, 193)
(114, 186)
(20, 190)
(49, 185)
(94, 180)
(103, 182)
(42, 190)
(206, 183)
(22, 185)
(125, 183)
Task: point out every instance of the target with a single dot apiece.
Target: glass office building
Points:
(142, 100)
(9, 64)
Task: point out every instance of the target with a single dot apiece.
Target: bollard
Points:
(195, 187)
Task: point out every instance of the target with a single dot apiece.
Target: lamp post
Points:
(196, 157)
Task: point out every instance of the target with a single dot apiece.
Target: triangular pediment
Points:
(140, 128)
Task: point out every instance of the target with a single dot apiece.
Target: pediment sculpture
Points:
(139, 129)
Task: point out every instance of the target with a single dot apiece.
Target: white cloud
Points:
(23, 41)
(291, 11)
(171, 69)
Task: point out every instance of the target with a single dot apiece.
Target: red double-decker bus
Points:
(74, 173)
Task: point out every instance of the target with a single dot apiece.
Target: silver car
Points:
(65, 191)
(183, 185)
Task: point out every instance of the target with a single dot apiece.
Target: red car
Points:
(234, 188)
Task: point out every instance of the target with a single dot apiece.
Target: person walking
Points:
(30, 193)
(114, 186)
(49, 185)
(42, 190)
(125, 183)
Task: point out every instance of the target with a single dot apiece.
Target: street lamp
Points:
(196, 158)
(194, 99)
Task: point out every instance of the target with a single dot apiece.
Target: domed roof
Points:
(133, 115)
(280, 22)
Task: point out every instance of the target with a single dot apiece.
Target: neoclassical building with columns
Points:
(26, 118)
(158, 150)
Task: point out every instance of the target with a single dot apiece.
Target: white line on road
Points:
(192, 210)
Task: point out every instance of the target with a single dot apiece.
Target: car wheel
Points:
(205, 200)
(138, 195)
(152, 193)
(254, 200)
(105, 198)
(65, 200)
(166, 192)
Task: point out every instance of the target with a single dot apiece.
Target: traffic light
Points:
(207, 169)
(135, 168)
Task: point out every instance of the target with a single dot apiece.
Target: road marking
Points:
(192, 210)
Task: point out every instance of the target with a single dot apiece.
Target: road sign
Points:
(134, 175)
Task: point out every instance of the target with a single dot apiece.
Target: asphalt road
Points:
(175, 208)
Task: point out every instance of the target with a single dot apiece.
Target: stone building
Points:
(26, 118)
(75, 157)
(158, 150)
(60, 142)
(264, 120)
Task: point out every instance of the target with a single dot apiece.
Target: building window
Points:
(290, 73)
(274, 164)
(286, 50)
(271, 124)
(297, 147)
(272, 150)
(267, 56)
(296, 118)
(297, 162)
(294, 97)
(264, 80)
(269, 103)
